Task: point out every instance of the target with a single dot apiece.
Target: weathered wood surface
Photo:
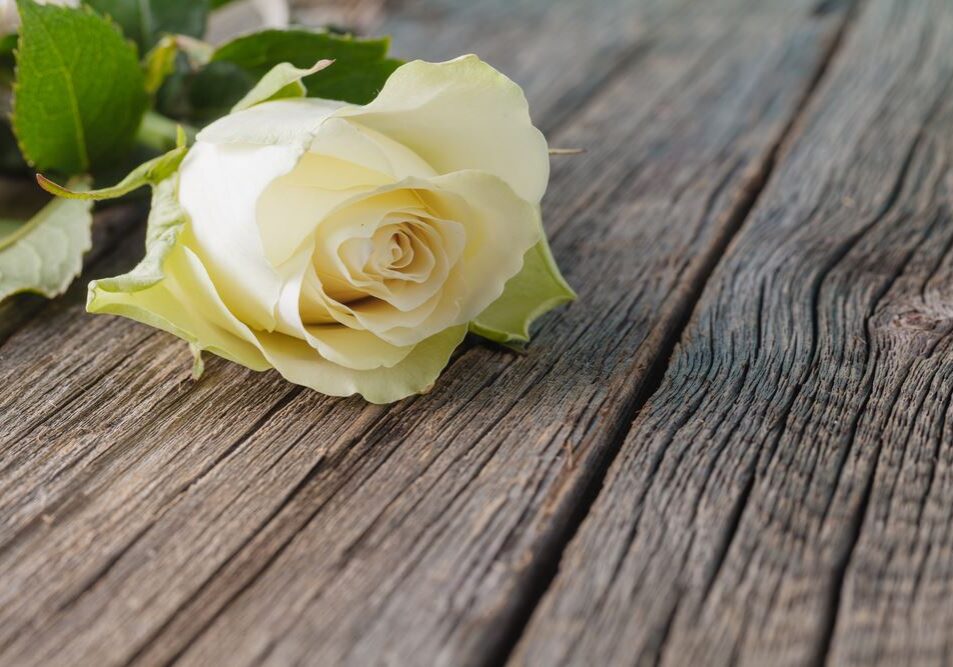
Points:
(782, 495)
(786, 497)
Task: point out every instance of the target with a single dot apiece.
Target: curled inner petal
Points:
(385, 252)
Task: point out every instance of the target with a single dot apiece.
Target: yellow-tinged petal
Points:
(297, 362)
(186, 304)
(339, 344)
(461, 114)
(498, 228)
(302, 198)
(350, 141)
(354, 348)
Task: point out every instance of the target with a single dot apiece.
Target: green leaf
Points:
(80, 94)
(360, 67)
(45, 254)
(148, 173)
(146, 21)
(533, 292)
(205, 87)
(8, 43)
(282, 81)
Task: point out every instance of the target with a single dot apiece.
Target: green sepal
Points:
(148, 173)
(281, 82)
(159, 64)
(163, 62)
(534, 291)
(166, 220)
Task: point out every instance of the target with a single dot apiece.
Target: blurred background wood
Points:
(732, 449)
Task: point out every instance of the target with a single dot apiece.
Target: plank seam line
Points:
(671, 334)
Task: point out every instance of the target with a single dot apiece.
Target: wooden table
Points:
(736, 447)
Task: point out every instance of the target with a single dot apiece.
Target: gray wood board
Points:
(785, 497)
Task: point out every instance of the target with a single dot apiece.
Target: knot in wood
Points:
(918, 320)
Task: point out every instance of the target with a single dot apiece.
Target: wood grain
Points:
(785, 497)
(148, 519)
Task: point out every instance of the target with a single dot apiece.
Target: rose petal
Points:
(347, 140)
(291, 122)
(351, 348)
(186, 304)
(291, 207)
(498, 228)
(461, 114)
(416, 373)
(219, 188)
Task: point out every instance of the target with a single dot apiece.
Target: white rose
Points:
(349, 247)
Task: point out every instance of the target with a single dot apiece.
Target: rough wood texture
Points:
(147, 519)
(786, 497)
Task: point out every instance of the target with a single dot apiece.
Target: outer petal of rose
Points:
(461, 114)
(355, 349)
(312, 124)
(185, 304)
(299, 363)
(219, 188)
(279, 122)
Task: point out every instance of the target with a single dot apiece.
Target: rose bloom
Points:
(346, 246)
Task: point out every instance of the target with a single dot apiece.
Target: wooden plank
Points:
(785, 497)
(144, 518)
